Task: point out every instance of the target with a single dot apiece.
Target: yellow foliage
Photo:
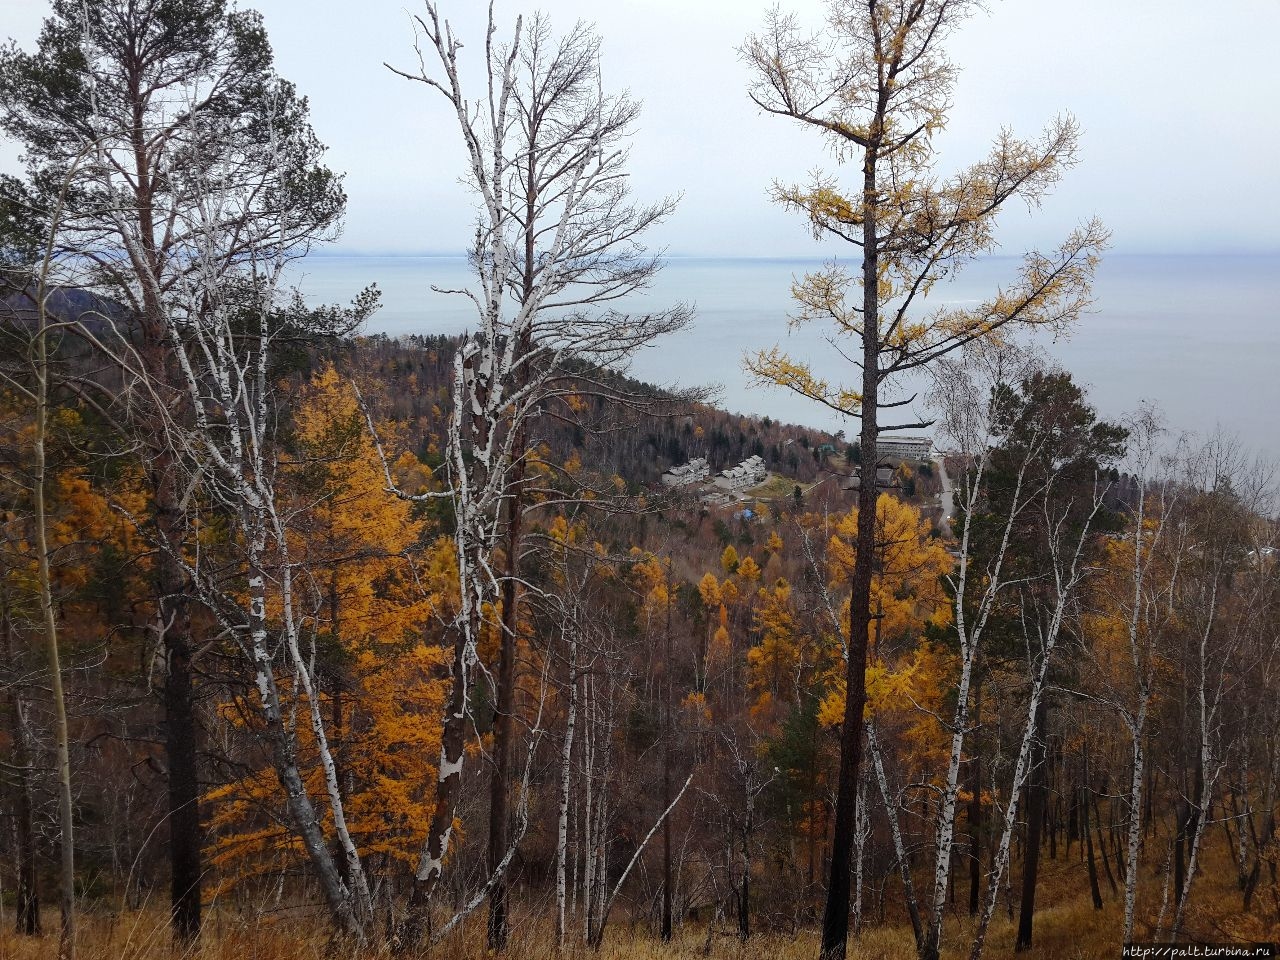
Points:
(771, 662)
(907, 594)
(695, 704)
(721, 643)
(908, 590)
(80, 524)
(729, 559)
(378, 587)
(709, 590)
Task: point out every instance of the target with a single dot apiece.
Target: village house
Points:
(694, 471)
(905, 448)
(748, 473)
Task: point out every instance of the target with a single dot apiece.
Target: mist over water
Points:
(1199, 336)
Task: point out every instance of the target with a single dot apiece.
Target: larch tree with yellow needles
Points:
(376, 593)
(876, 85)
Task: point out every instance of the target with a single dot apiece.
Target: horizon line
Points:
(461, 255)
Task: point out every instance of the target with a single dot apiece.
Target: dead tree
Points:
(557, 242)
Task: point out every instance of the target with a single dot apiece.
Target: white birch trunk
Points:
(891, 807)
(566, 769)
(607, 905)
(1133, 849)
(1068, 575)
(1211, 767)
(970, 638)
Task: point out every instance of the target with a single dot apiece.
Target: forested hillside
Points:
(634, 441)
(316, 642)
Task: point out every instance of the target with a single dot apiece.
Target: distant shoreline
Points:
(786, 258)
(1197, 334)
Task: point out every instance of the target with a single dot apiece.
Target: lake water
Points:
(1199, 336)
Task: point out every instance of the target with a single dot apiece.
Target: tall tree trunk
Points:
(944, 845)
(835, 916)
(1187, 833)
(1083, 807)
(1073, 819)
(181, 743)
(172, 608)
(67, 865)
(1179, 842)
(1200, 814)
(895, 831)
(1102, 847)
(1022, 769)
(503, 720)
(1036, 790)
(587, 818)
(1137, 779)
(27, 895)
(1263, 841)
(861, 831)
(1193, 817)
(667, 734)
(566, 769)
(349, 917)
(337, 714)
(812, 806)
(609, 896)
(598, 895)
(448, 781)
(975, 827)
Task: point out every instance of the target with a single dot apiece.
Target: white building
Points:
(905, 448)
(748, 473)
(692, 472)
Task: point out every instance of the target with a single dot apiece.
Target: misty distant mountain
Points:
(65, 304)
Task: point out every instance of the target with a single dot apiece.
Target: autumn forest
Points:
(316, 642)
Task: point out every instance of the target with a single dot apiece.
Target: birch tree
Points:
(222, 310)
(1136, 593)
(120, 82)
(1226, 600)
(968, 391)
(229, 312)
(31, 268)
(876, 87)
(1053, 446)
(557, 243)
(39, 393)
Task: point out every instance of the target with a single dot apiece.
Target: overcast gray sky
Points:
(1178, 100)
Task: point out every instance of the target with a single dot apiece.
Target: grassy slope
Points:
(1066, 928)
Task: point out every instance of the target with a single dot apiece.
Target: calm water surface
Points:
(1200, 336)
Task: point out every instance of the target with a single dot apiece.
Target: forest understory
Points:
(1067, 927)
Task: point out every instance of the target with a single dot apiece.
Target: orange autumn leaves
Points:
(376, 594)
(84, 530)
(787, 653)
(908, 676)
(378, 591)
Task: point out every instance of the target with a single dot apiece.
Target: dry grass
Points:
(1066, 928)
